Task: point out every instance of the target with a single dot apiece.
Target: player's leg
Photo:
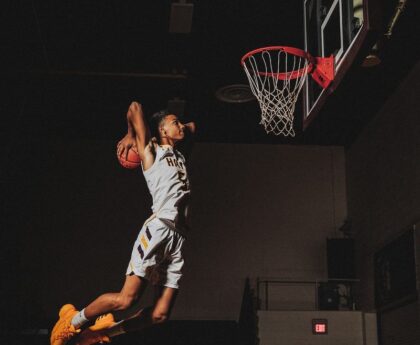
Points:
(70, 320)
(109, 302)
(158, 314)
(160, 250)
(170, 272)
(142, 258)
(147, 317)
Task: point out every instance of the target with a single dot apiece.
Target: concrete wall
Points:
(384, 183)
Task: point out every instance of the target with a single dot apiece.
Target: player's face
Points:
(172, 128)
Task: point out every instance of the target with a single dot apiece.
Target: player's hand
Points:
(125, 144)
(135, 108)
(190, 126)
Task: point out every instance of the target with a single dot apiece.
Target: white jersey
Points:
(168, 184)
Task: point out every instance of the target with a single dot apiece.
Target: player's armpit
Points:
(149, 154)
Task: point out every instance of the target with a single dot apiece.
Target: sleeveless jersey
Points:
(169, 186)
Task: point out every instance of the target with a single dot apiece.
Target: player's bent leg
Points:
(129, 294)
(147, 317)
(106, 327)
(164, 304)
(157, 314)
(64, 330)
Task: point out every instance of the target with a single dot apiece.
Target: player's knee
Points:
(123, 302)
(158, 317)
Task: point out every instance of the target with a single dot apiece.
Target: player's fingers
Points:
(126, 152)
(122, 150)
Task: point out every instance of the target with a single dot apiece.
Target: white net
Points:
(276, 78)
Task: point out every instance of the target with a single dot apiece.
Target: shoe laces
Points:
(100, 317)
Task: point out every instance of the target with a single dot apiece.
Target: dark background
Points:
(68, 51)
(58, 119)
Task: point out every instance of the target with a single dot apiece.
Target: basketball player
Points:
(158, 248)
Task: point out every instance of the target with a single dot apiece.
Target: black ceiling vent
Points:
(236, 93)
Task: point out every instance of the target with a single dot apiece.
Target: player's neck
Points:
(167, 141)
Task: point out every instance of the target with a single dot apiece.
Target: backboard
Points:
(331, 27)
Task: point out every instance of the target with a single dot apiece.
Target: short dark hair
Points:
(156, 120)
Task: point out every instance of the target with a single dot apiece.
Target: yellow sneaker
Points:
(89, 337)
(104, 321)
(63, 330)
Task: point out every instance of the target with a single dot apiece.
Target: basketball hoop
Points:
(276, 76)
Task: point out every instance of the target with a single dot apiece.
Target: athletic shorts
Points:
(157, 255)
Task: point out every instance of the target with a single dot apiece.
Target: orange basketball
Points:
(133, 160)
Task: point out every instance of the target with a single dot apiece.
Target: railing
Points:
(306, 294)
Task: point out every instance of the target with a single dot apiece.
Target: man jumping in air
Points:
(158, 247)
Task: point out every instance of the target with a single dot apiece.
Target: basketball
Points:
(133, 159)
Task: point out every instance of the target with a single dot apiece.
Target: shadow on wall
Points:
(248, 319)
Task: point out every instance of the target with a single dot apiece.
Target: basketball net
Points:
(276, 76)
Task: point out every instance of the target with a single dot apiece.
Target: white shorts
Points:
(157, 255)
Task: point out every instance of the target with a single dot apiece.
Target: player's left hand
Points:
(125, 144)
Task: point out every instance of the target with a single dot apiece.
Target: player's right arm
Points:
(138, 135)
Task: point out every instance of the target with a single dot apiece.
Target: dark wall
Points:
(256, 211)
(66, 217)
(73, 213)
(259, 211)
(77, 217)
(384, 186)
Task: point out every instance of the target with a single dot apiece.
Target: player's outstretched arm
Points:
(137, 127)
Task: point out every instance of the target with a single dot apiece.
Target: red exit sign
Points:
(319, 326)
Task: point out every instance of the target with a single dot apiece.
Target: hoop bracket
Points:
(323, 73)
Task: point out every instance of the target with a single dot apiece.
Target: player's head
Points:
(156, 121)
(164, 124)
